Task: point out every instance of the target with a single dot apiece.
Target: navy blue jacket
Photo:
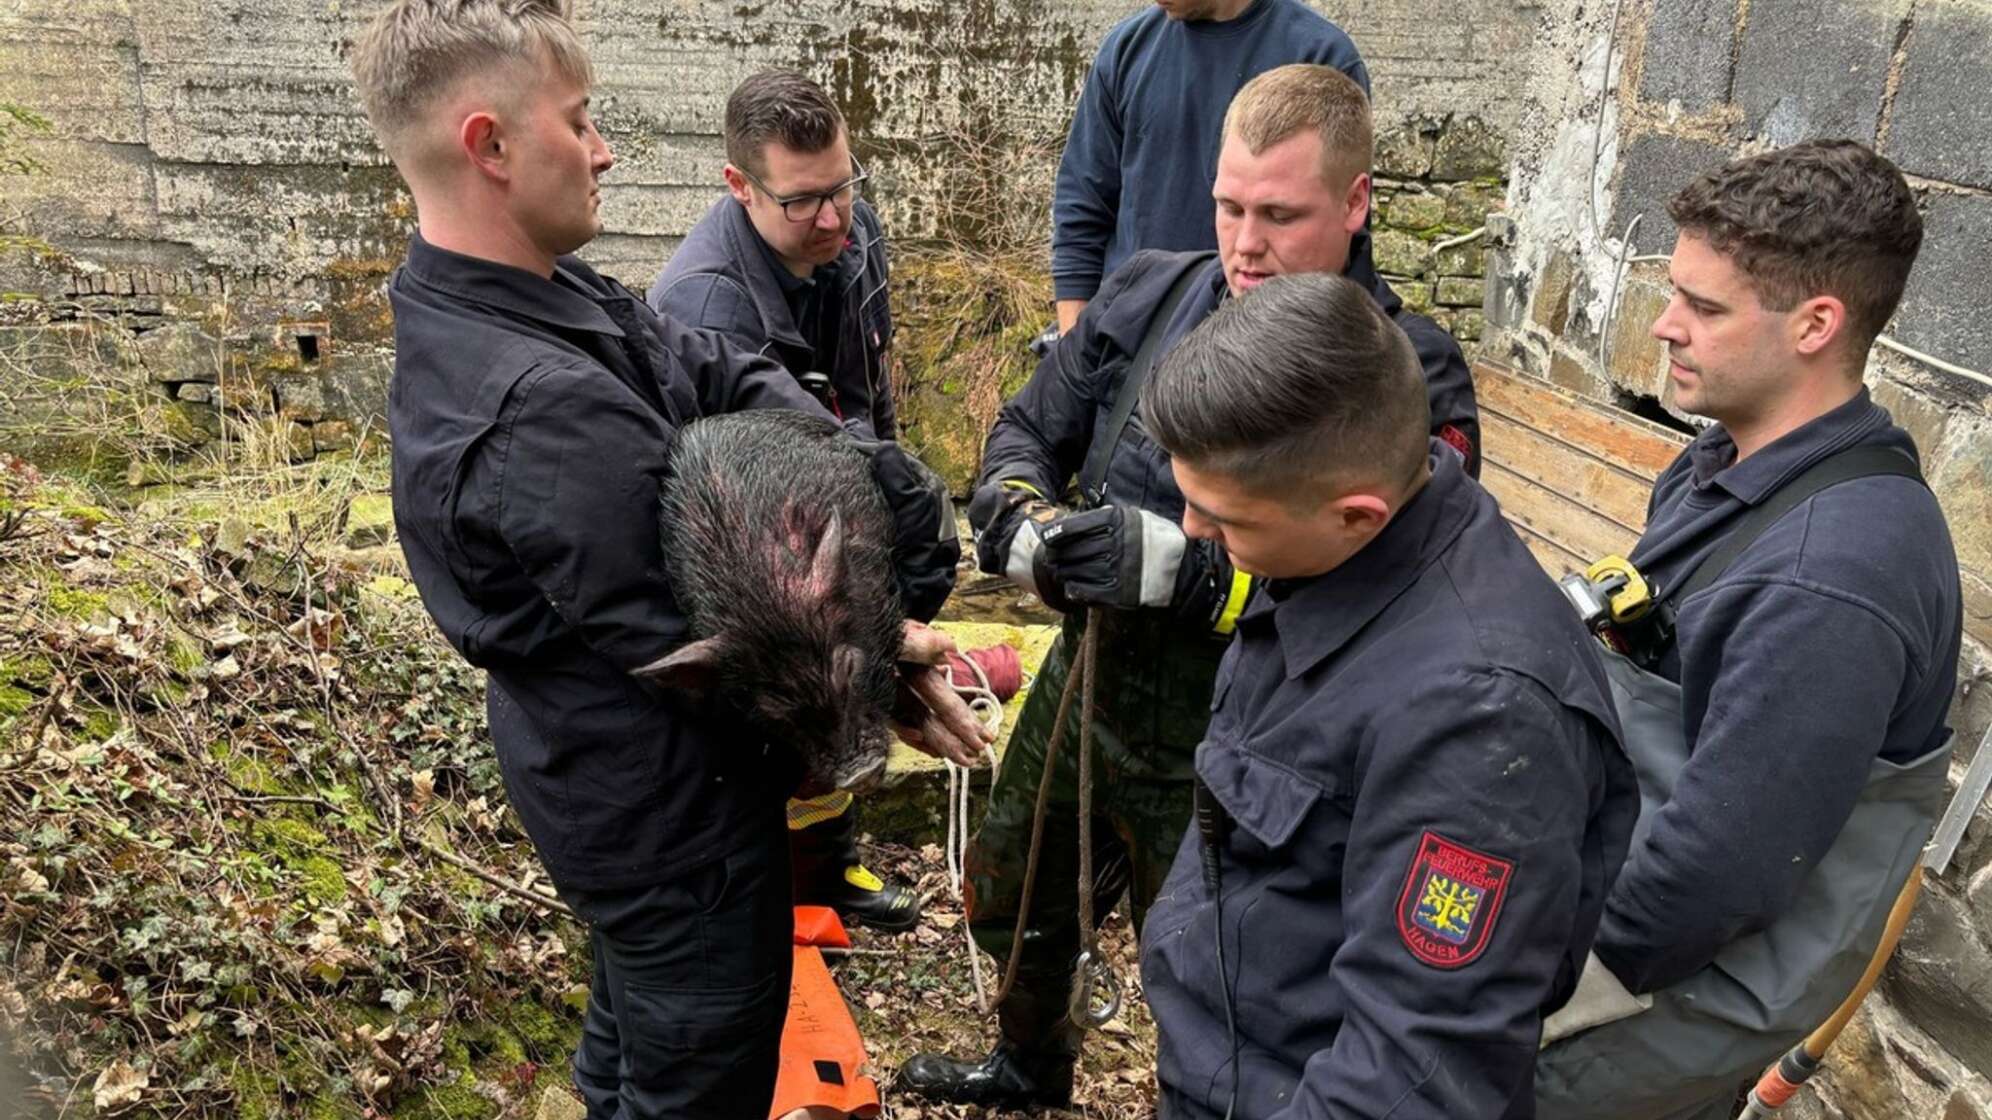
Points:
(531, 420)
(1426, 798)
(725, 278)
(1141, 158)
(1831, 640)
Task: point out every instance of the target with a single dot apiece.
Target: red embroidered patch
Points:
(1457, 440)
(1452, 896)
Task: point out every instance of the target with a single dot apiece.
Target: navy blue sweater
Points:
(1830, 641)
(1141, 159)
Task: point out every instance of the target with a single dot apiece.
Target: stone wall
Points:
(208, 162)
(1631, 99)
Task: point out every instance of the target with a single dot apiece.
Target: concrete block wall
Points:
(1632, 99)
(209, 161)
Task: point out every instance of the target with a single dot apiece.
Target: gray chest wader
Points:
(1682, 1051)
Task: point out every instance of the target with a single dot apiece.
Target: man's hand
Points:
(936, 720)
(1068, 313)
(1115, 556)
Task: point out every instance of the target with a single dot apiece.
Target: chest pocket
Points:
(1266, 800)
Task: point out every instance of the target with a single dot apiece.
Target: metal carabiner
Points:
(1092, 971)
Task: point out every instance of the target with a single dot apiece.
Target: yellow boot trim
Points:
(860, 876)
(805, 812)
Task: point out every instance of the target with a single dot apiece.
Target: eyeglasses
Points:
(805, 207)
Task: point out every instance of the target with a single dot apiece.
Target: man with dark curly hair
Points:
(1785, 699)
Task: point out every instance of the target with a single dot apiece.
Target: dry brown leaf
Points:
(119, 1086)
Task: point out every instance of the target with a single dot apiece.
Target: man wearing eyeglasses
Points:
(791, 264)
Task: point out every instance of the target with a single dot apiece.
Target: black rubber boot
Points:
(829, 873)
(1007, 1078)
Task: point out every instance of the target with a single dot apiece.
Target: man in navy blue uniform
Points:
(1142, 153)
(790, 263)
(1292, 192)
(1411, 793)
(1799, 684)
(533, 407)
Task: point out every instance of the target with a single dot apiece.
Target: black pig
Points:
(778, 545)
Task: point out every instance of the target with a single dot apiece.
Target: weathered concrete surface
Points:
(1810, 69)
(1942, 124)
(1943, 310)
(223, 135)
(1687, 56)
(1652, 170)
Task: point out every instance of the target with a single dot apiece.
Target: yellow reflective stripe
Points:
(1020, 484)
(1234, 603)
(803, 813)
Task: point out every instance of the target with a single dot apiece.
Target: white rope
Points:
(982, 701)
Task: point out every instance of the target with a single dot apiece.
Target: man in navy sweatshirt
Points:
(1142, 154)
(1804, 685)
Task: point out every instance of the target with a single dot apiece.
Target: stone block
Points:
(369, 520)
(1461, 291)
(1401, 254)
(1468, 205)
(180, 424)
(1977, 616)
(1807, 69)
(1550, 309)
(355, 386)
(1469, 325)
(1469, 148)
(178, 352)
(194, 392)
(331, 435)
(1638, 361)
(1941, 124)
(1571, 374)
(1405, 152)
(1469, 259)
(1417, 295)
(1941, 978)
(1961, 476)
(301, 397)
(1687, 53)
(1943, 308)
(1652, 170)
(1414, 211)
(1924, 419)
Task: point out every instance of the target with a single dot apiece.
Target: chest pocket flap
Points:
(1263, 797)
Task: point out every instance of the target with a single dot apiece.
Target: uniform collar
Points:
(1317, 616)
(1713, 453)
(768, 279)
(560, 302)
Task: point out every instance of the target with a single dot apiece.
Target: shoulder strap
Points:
(1843, 466)
(1093, 475)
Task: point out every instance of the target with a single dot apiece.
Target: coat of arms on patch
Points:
(1451, 897)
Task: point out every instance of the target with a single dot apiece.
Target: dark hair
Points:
(1303, 384)
(1826, 217)
(780, 106)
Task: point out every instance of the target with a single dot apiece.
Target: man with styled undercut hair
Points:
(1793, 676)
(1411, 795)
(790, 263)
(533, 405)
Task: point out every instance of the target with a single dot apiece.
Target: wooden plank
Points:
(1556, 560)
(1600, 486)
(1550, 515)
(1616, 436)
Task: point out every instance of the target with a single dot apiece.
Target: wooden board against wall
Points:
(1572, 475)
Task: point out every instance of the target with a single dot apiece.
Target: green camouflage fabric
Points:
(1152, 703)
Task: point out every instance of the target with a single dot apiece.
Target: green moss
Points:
(89, 517)
(256, 1095)
(247, 773)
(547, 1035)
(300, 849)
(492, 1046)
(72, 602)
(457, 1101)
(99, 724)
(14, 700)
(322, 880)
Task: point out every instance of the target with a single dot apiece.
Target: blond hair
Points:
(1282, 101)
(416, 51)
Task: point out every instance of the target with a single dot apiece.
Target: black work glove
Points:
(1009, 520)
(926, 546)
(1127, 558)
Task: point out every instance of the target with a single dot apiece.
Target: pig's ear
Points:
(828, 563)
(691, 667)
(844, 667)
